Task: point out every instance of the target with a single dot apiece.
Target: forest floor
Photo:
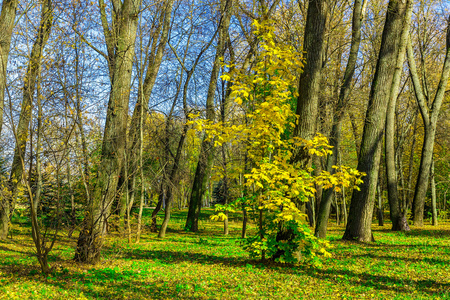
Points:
(209, 265)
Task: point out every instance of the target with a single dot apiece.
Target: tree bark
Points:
(362, 203)
(161, 198)
(169, 186)
(120, 46)
(410, 194)
(434, 215)
(152, 65)
(7, 18)
(21, 133)
(391, 171)
(38, 239)
(335, 135)
(430, 117)
(309, 84)
(205, 160)
(380, 207)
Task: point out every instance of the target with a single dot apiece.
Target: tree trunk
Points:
(141, 208)
(430, 117)
(35, 199)
(225, 181)
(338, 219)
(81, 138)
(120, 46)
(434, 220)
(410, 193)
(21, 133)
(161, 199)
(7, 17)
(199, 186)
(205, 160)
(355, 133)
(244, 223)
(380, 207)
(391, 170)
(362, 203)
(173, 174)
(309, 84)
(335, 135)
(73, 218)
(167, 210)
(153, 63)
(344, 206)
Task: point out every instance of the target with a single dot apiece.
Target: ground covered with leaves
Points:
(209, 265)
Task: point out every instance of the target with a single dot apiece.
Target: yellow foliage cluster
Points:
(265, 93)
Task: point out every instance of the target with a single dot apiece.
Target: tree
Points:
(335, 135)
(22, 131)
(398, 218)
(362, 202)
(152, 63)
(7, 17)
(207, 147)
(276, 181)
(309, 83)
(120, 37)
(430, 113)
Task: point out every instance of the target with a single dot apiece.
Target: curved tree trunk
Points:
(430, 117)
(170, 186)
(362, 203)
(21, 133)
(7, 17)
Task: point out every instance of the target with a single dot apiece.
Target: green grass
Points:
(208, 265)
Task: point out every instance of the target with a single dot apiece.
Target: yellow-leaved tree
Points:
(275, 185)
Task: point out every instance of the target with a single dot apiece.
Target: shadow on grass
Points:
(113, 283)
(427, 260)
(6, 249)
(377, 282)
(175, 257)
(418, 232)
(436, 233)
(381, 282)
(104, 283)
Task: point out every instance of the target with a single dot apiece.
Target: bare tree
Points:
(22, 131)
(207, 147)
(430, 113)
(7, 17)
(120, 36)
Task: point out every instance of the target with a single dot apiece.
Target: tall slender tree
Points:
(207, 147)
(7, 18)
(397, 216)
(120, 36)
(335, 135)
(362, 203)
(22, 131)
(150, 65)
(430, 114)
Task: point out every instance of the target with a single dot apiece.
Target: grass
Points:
(208, 265)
